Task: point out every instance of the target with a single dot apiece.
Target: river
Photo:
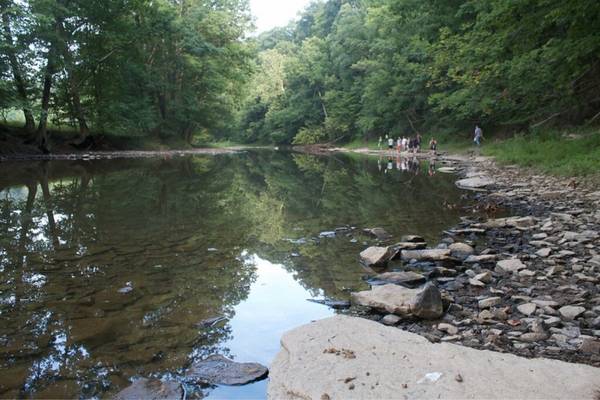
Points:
(109, 267)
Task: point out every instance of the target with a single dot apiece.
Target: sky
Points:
(272, 13)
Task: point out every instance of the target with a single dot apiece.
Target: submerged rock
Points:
(336, 304)
(423, 303)
(218, 370)
(151, 389)
(389, 363)
(378, 233)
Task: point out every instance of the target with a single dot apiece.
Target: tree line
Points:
(350, 69)
(166, 68)
(344, 70)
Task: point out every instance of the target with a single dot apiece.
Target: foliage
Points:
(360, 69)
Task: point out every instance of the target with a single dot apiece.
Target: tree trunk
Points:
(73, 83)
(18, 77)
(42, 131)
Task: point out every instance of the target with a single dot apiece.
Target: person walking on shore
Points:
(478, 135)
(390, 143)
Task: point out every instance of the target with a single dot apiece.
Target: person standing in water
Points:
(478, 135)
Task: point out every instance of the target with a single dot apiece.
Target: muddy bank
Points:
(526, 283)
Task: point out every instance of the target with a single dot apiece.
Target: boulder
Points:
(354, 358)
(151, 389)
(426, 255)
(377, 256)
(424, 303)
(404, 278)
(218, 370)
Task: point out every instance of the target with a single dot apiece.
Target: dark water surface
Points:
(108, 267)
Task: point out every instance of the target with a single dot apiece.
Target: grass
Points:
(566, 153)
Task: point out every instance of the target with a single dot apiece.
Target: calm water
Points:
(108, 267)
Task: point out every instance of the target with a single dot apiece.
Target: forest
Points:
(344, 70)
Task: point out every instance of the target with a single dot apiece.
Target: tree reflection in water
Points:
(108, 267)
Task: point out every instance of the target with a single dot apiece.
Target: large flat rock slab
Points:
(354, 358)
(424, 303)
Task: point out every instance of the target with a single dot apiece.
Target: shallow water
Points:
(107, 268)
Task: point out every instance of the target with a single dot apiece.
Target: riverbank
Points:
(525, 284)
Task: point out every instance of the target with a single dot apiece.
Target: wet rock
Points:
(377, 256)
(409, 245)
(527, 308)
(218, 370)
(426, 255)
(480, 259)
(151, 389)
(571, 312)
(510, 265)
(477, 182)
(424, 303)
(489, 302)
(378, 233)
(404, 278)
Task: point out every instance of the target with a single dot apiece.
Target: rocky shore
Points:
(525, 280)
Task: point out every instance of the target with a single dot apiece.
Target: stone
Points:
(409, 245)
(218, 370)
(485, 277)
(545, 252)
(480, 259)
(412, 239)
(388, 363)
(151, 389)
(590, 345)
(377, 256)
(448, 328)
(489, 302)
(527, 308)
(476, 283)
(477, 182)
(571, 312)
(425, 255)
(531, 337)
(461, 250)
(390, 319)
(404, 278)
(425, 303)
(378, 233)
(510, 265)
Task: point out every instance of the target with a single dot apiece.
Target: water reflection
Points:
(107, 268)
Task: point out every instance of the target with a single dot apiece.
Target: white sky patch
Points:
(272, 13)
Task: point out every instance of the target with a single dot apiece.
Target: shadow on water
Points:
(108, 268)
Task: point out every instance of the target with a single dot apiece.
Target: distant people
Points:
(431, 169)
(404, 143)
(379, 143)
(433, 145)
(390, 143)
(478, 135)
(399, 144)
(418, 140)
